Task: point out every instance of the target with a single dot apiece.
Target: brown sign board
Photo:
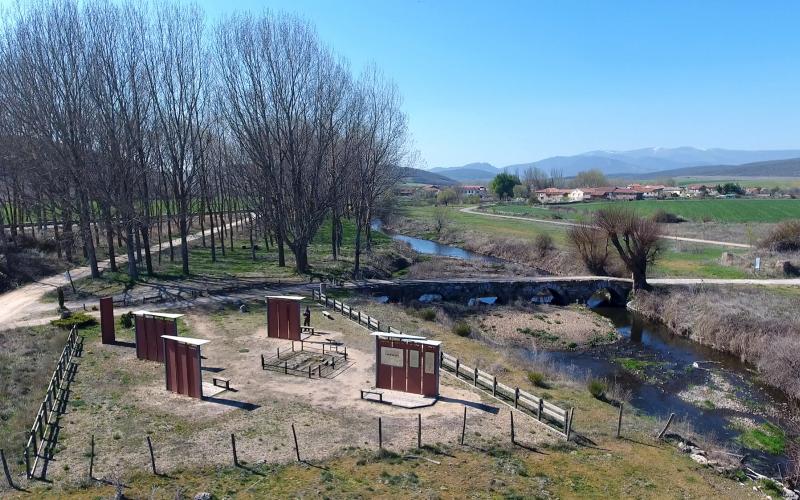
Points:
(182, 370)
(407, 363)
(283, 316)
(150, 326)
(107, 333)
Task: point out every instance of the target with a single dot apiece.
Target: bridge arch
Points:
(550, 294)
(617, 295)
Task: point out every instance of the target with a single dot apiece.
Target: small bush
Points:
(543, 243)
(666, 218)
(537, 379)
(79, 319)
(597, 388)
(126, 320)
(784, 238)
(428, 314)
(462, 329)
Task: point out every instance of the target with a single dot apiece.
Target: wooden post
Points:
(380, 433)
(5, 469)
(309, 371)
(619, 419)
(475, 380)
(27, 454)
(458, 362)
(419, 430)
(464, 426)
(516, 397)
(286, 367)
(664, 430)
(279, 353)
(513, 440)
(494, 386)
(296, 448)
(262, 361)
(233, 447)
(91, 460)
(570, 414)
(152, 456)
(539, 410)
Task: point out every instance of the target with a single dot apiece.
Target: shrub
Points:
(126, 319)
(462, 329)
(543, 243)
(784, 238)
(79, 319)
(597, 388)
(537, 379)
(428, 314)
(666, 218)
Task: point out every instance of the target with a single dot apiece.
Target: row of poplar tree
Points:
(118, 117)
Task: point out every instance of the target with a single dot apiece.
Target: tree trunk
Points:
(300, 251)
(357, 253)
(133, 271)
(281, 251)
(112, 258)
(86, 235)
(184, 228)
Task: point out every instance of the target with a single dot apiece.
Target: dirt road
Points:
(471, 210)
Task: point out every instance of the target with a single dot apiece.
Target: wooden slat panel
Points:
(107, 320)
(141, 338)
(193, 380)
(151, 334)
(293, 320)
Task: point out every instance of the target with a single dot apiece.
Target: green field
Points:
(717, 210)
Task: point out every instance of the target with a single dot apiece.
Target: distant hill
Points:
(775, 168)
(633, 162)
(418, 176)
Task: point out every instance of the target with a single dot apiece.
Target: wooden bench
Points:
(221, 382)
(374, 393)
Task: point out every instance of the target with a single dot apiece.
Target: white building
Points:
(555, 195)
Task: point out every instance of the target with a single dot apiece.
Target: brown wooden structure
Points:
(107, 333)
(182, 365)
(407, 363)
(150, 326)
(283, 316)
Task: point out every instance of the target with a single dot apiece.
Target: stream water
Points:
(711, 391)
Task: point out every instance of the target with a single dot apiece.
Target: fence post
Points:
(569, 422)
(91, 460)
(516, 397)
(262, 361)
(27, 454)
(32, 436)
(664, 430)
(419, 430)
(476, 378)
(233, 447)
(285, 367)
(458, 362)
(296, 448)
(464, 426)
(5, 469)
(380, 433)
(513, 440)
(539, 411)
(152, 456)
(494, 386)
(619, 420)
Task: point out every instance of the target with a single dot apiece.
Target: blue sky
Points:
(512, 81)
(508, 82)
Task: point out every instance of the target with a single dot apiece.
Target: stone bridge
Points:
(549, 289)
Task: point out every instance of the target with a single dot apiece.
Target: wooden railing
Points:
(41, 438)
(555, 417)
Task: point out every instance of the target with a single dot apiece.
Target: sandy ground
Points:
(120, 400)
(545, 327)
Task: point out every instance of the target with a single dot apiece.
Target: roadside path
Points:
(24, 305)
(471, 210)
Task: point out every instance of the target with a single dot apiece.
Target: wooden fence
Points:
(41, 439)
(555, 417)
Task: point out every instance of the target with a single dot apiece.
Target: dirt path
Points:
(24, 306)
(471, 210)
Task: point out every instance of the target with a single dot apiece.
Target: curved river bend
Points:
(710, 389)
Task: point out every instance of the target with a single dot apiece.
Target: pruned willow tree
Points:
(126, 124)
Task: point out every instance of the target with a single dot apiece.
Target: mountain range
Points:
(637, 162)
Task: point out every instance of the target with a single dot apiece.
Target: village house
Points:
(555, 195)
(596, 193)
(474, 190)
(648, 192)
(696, 190)
(625, 194)
(672, 192)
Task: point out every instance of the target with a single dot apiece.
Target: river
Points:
(711, 390)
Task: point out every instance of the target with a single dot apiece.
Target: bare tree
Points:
(636, 239)
(592, 246)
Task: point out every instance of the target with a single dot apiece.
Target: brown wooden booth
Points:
(283, 316)
(182, 365)
(107, 332)
(150, 326)
(407, 363)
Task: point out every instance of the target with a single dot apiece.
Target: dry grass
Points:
(760, 325)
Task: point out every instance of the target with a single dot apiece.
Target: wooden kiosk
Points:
(407, 363)
(283, 316)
